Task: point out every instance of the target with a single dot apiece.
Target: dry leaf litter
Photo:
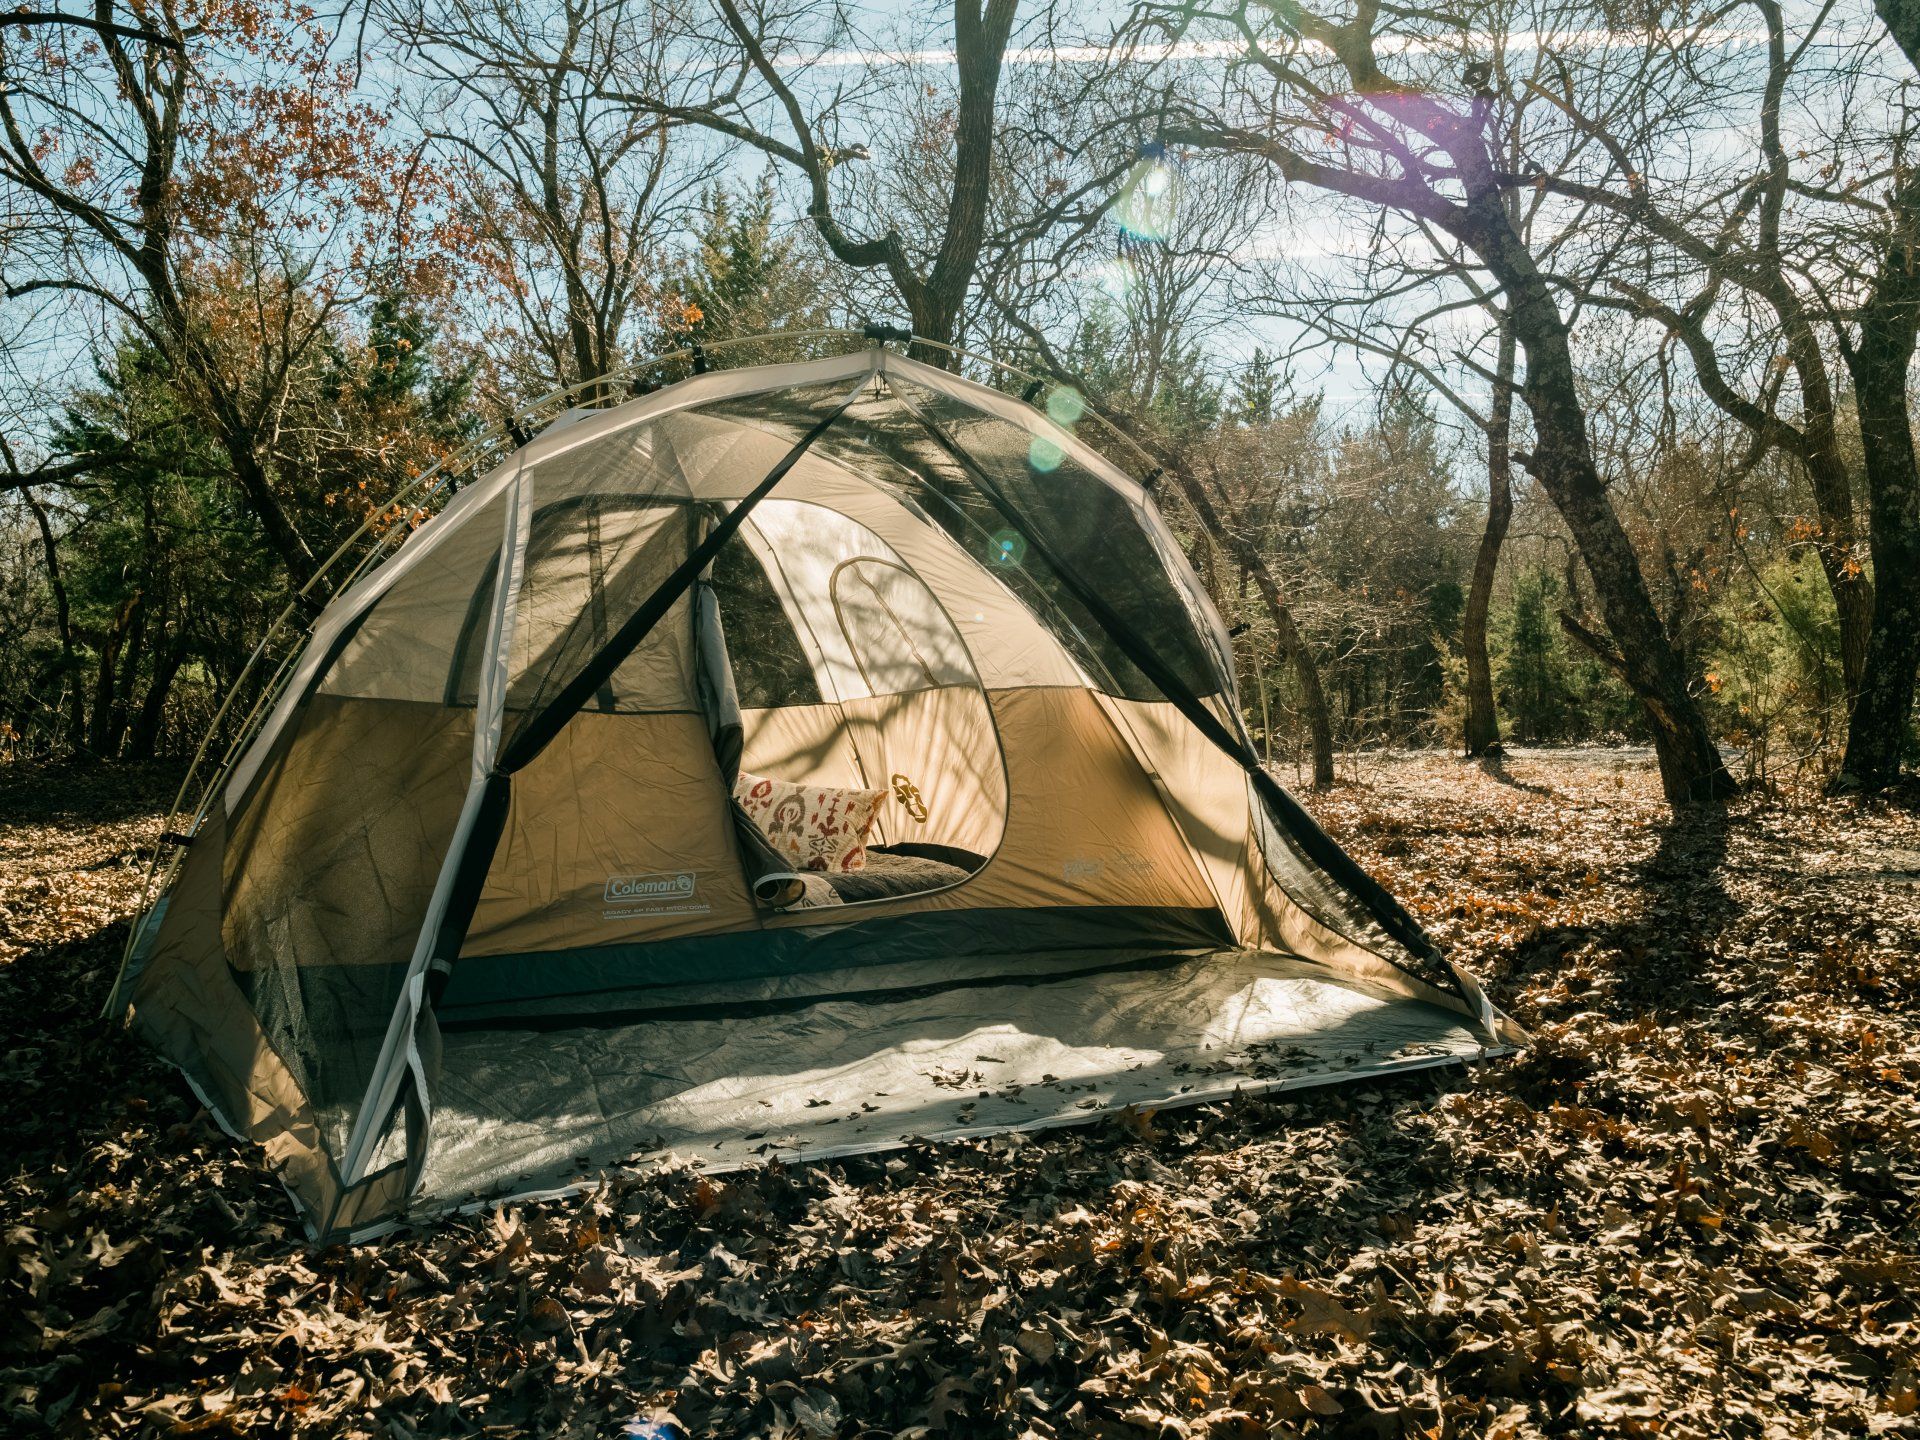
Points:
(1689, 1209)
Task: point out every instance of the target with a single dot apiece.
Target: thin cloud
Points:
(864, 58)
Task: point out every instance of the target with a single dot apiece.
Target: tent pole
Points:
(540, 731)
(472, 851)
(383, 1085)
(1385, 910)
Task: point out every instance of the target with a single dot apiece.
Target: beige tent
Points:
(478, 907)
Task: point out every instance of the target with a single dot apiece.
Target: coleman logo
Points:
(629, 896)
(1122, 864)
(647, 889)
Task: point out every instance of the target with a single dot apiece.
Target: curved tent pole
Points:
(483, 814)
(489, 715)
(444, 475)
(1320, 847)
(301, 613)
(1337, 864)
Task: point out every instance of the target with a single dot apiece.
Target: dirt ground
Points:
(1689, 1209)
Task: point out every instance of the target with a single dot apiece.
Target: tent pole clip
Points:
(699, 357)
(880, 333)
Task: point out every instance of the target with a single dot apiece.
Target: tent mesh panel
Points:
(770, 667)
(1102, 533)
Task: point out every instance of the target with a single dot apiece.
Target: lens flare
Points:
(1149, 198)
(1116, 279)
(1066, 405)
(1044, 456)
(1007, 548)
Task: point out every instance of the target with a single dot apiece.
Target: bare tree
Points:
(743, 57)
(1880, 359)
(1312, 100)
(1159, 279)
(110, 130)
(915, 172)
(1481, 731)
(1769, 268)
(569, 197)
(1366, 313)
(1728, 226)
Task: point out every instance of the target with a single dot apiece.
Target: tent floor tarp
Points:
(842, 1076)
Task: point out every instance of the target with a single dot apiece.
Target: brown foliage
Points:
(1689, 1209)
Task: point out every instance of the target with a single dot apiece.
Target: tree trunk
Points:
(1691, 770)
(1293, 645)
(130, 658)
(145, 736)
(933, 321)
(1846, 578)
(1313, 696)
(110, 644)
(1902, 19)
(1880, 361)
(76, 737)
(1483, 721)
(980, 34)
(281, 535)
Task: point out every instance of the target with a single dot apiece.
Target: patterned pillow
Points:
(817, 827)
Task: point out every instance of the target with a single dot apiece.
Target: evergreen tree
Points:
(1531, 672)
(161, 568)
(163, 563)
(1256, 390)
(743, 277)
(1185, 402)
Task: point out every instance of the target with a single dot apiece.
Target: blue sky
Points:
(48, 341)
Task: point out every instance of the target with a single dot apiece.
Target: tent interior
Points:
(791, 761)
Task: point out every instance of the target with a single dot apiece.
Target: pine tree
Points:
(743, 277)
(1532, 670)
(1256, 390)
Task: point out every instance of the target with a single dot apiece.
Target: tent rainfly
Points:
(549, 855)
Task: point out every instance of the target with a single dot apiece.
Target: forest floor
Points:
(1692, 1207)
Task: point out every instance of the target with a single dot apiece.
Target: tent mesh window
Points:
(770, 668)
(583, 555)
(1100, 533)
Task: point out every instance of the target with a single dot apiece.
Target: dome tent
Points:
(479, 903)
